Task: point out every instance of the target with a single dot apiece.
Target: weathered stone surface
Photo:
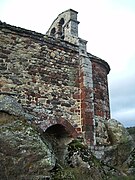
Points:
(51, 71)
(115, 145)
(85, 165)
(131, 131)
(30, 155)
(122, 144)
(101, 132)
(41, 74)
(52, 80)
(23, 154)
(10, 105)
(100, 87)
(130, 162)
(117, 132)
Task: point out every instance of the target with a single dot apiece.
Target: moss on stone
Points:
(76, 145)
(69, 173)
(22, 151)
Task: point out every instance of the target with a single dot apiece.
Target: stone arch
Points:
(53, 31)
(60, 31)
(60, 124)
(62, 21)
(57, 131)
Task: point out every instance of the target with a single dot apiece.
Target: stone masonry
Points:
(54, 78)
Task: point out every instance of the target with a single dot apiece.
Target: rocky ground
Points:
(27, 154)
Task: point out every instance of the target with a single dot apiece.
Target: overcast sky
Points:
(109, 28)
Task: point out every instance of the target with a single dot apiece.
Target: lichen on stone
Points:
(22, 151)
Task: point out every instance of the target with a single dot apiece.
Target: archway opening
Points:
(61, 22)
(53, 31)
(58, 137)
(57, 130)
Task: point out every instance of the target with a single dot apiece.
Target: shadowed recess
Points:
(57, 130)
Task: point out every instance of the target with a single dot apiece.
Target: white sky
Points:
(109, 28)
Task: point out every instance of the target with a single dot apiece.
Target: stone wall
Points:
(100, 87)
(41, 73)
(54, 78)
